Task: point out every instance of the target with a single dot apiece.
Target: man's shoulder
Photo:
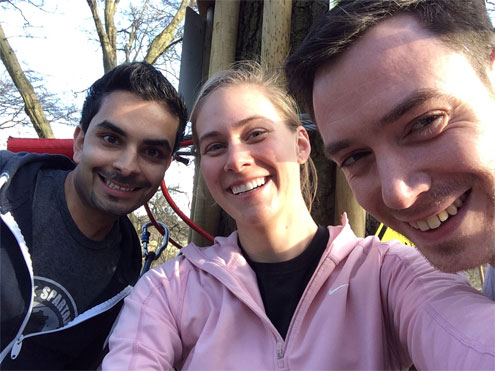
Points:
(11, 162)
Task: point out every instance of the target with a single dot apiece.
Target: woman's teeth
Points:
(433, 222)
(249, 186)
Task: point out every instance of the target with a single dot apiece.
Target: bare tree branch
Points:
(162, 41)
(32, 105)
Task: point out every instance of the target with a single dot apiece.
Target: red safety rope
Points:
(183, 216)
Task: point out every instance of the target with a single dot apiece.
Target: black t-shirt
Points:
(282, 284)
(70, 270)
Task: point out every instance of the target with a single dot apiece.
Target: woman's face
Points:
(249, 157)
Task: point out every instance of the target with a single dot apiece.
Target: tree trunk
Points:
(304, 14)
(250, 27)
(106, 33)
(276, 32)
(163, 41)
(334, 196)
(32, 105)
(346, 202)
(323, 209)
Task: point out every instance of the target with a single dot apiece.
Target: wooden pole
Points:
(222, 53)
(345, 202)
(224, 37)
(276, 32)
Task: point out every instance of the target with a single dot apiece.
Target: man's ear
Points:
(303, 145)
(78, 143)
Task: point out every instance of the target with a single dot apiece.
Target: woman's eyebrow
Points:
(215, 133)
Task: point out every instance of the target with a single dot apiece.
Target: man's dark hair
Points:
(143, 80)
(463, 25)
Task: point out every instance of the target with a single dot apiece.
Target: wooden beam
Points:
(224, 37)
(346, 202)
(275, 39)
(206, 212)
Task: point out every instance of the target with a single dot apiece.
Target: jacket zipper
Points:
(15, 230)
(280, 350)
(282, 346)
(91, 313)
(15, 346)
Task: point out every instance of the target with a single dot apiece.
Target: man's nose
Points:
(127, 162)
(402, 182)
(238, 158)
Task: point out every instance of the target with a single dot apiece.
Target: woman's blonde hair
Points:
(272, 83)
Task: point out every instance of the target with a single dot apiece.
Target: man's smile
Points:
(435, 221)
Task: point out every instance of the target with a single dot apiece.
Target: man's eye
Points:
(111, 139)
(351, 160)
(153, 152)
(428, 125)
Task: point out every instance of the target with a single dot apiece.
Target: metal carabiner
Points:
(150, 256)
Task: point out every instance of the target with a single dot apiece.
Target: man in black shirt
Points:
(68, 253)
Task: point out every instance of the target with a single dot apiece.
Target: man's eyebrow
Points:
(412, 101)
(159, 143)
(214, 133)
(105, 124)
(332, 148)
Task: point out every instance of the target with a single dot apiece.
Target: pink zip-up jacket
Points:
(369, 305)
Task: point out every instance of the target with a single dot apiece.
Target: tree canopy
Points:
(146, 30)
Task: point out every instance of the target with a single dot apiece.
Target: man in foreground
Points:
(403, 93)
(69, 255)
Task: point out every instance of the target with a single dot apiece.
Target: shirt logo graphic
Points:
(53, 306)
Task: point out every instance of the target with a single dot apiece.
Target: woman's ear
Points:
(78, 143)
(303, 145)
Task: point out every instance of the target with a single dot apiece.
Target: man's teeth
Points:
(117, 187)
(433, 222)
(249, 186)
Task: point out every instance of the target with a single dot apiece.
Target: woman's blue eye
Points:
(213, 147)
(256, 133)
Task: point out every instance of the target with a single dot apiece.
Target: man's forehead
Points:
(379, 65)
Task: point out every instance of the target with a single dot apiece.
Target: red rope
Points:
(183, 216)
(159, 228)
